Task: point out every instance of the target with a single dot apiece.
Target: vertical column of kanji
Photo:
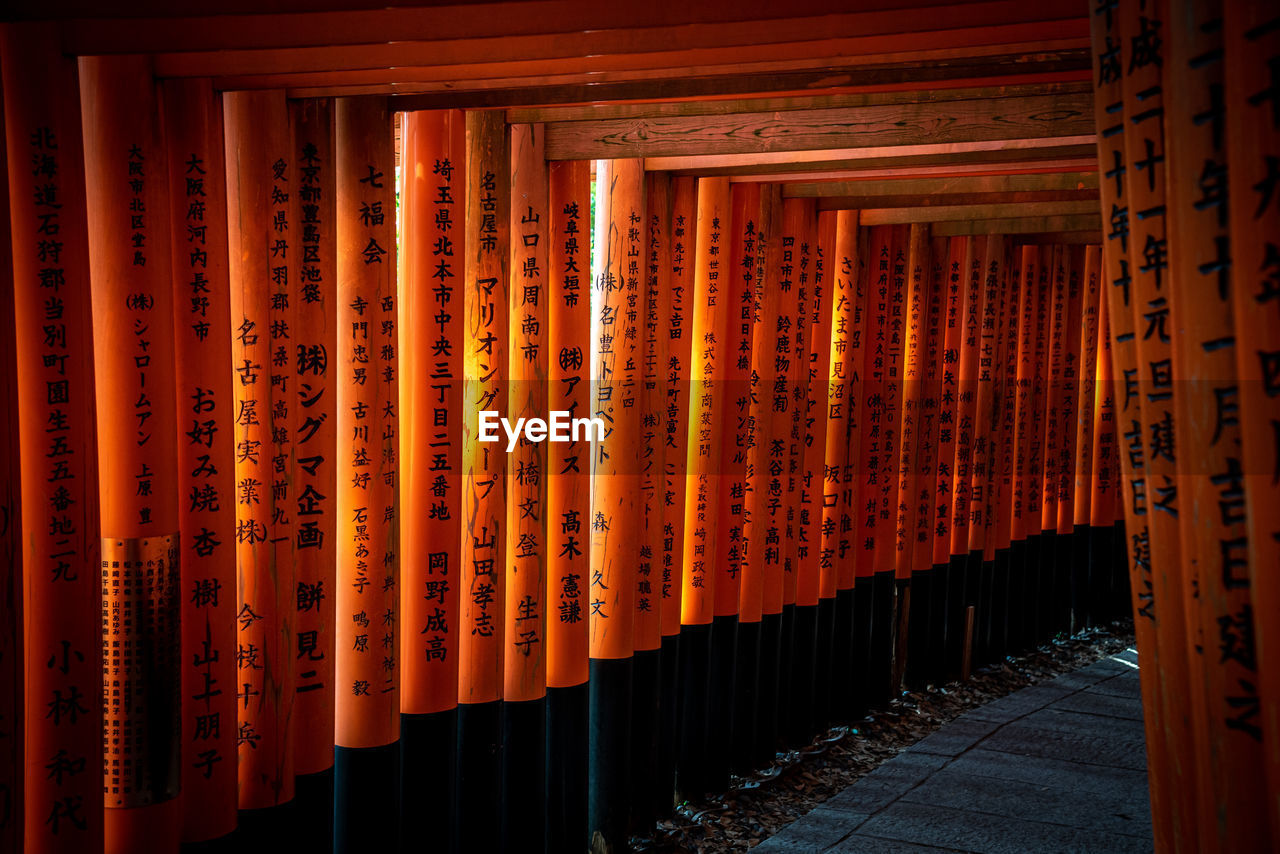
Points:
(836, 503)
(11, 617)
(916, 311)
(1082, 582)
(126, 183)
(206, 465)
(680, 212)
(568, 475)
(1000, 497)
(1109, 582)
(1220, 619)
(1142, 22)
(924, 623)
(762, 570)
(817, 573)
(480, 580)
(734, 719)
(985, 427)
(1064, 469)
(653, 793)
(1252, 93)
(702, 480)
(257, 152)
(1037, 581)
(312, 420)
(1023, 379)
(524, 684)
(433, 146)
(56, 802)
(617, 308)
(366, 782)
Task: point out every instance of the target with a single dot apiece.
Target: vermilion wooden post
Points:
(617, 308)
(702, 492)
(206, 461)
(653, 795)
(1106, 516)
(1252, 44)
(127, 195)
(432, 155)
(258, 157)
(524, 683)
(767, 476)
(568, 504)
(1084, 582)
(681, 216)
(367, 671)
(481, 579)
(1064, 479)
(817, 574)
(1039, 580)
(312, 296)
(925, 625)
(837, 504)
(1021, 578)
(1109, 36)
(915, 332)
(59, 528)
(1055, 341)
(11, 616)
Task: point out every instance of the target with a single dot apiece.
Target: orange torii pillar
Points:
(1253, 148)
(1064, 476)
(524, 660)
(432, 153)
(760, 596)
(1084, 589)
(733, 655)
(729, 451)
(127, 186)
(1003, 457)
(944, 587)
(258, 156)
(617, 310)
(1022, 379)
(206, 465)
(1108, 37)
(1108, 560)
(11, 655)
(568, 508)
(57, 809)
(924, 626)
(844, 342)
(818, 571)
(702, 482)
(651, 796)
(312, 344)
(798, 659)
(672, 219)
(367, 671)
(1052, 432)
(1038, 582)
(481, 577)
(916, 315)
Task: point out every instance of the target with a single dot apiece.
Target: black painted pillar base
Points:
(1031, 592)
(1000, 606)
(664, 787)
(646, 698)
(260, 831)
(746, 698)
(917, 671)
(691, 745)
(568, 747)
(936, 663)
(311, 812)
(1018, 623)
(842, 688)
(822, 676)
(1065, 552)
(767, 720)
(609, 755)
(786, 665)
(1079, 572)
(884, 616)
(799, 699)
(863, 611)
(366, 799)
(1049, 585)
(1121, 592)
(957, 579)
(428, 768)
(524, 753)
(983, 583)
(724, 648)
(479, 787)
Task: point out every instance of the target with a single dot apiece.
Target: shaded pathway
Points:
(1056, 767)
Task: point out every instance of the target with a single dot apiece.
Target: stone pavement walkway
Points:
(1057, 767)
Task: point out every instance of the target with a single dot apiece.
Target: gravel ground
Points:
(758, 806)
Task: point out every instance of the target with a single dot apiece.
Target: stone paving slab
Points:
(1058, 767)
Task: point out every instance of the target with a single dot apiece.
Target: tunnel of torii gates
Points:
(917, 336)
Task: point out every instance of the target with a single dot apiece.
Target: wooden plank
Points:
(958, 213)
(1051, 238)
(933, 187)
(977, 170)
(905, 124)
(1020, 225)
(926, 203)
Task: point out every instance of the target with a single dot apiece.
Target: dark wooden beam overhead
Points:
(1062, 223)
(1035, 116)
(950, 191)
(1051, 238)
(973, 213)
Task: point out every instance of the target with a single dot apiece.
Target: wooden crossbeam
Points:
(1063, 223)
(1051, 238)
(1037, 116)
(975, 213)
(902, 173)
(950, 191)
